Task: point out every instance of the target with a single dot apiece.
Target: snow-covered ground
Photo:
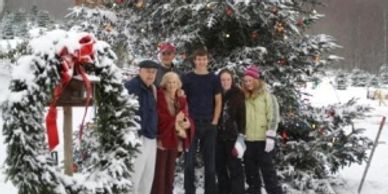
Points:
(377, 177)
(324, 94)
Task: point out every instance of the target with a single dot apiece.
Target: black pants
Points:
(205, 135)
(229, 169)
(256, 160)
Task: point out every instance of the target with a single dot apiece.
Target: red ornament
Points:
(119, 1)
(254, 35)
(228, 11)
(321, 130)
(75, 168)
(274, 10)
(282, 61)
(284, 136)
(330, 113)
(300, 22)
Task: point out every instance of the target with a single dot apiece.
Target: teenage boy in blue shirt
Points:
(203, 90)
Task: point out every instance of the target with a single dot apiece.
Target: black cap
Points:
(148, 64)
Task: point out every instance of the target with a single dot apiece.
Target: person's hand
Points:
(270, 141)
(186, 123)
(180, 116)
(269, 145)
(160, 146)
(181, 93)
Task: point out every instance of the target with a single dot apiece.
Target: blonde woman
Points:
(262, 118)
(174, 131)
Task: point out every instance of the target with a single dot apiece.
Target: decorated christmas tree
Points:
(314, 143)
(52, 60)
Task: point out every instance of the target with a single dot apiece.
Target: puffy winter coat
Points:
(232, 120)
(262, 114)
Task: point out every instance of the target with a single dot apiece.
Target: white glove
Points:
(270, 141)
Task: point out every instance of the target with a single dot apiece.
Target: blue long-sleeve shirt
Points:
(147, 109)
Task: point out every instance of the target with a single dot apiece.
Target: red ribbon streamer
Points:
(70, 61)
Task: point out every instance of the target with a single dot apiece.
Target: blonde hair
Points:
(258, 88)
(168, 76)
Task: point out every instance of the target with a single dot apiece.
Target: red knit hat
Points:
(252, 71)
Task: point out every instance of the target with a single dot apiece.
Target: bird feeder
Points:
(75, 93)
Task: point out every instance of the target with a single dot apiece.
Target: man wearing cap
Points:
(142, 86)
(167, 52)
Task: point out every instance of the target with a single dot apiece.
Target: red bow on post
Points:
(70, 62)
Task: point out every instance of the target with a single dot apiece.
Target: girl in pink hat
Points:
(262, 118)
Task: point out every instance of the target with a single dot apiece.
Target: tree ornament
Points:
(331, 113)
(140, 4)
(284, 136)
(282, 61)
(211, 5)
(274, 9)
(120, 1)
(321, 130)
(229, 11)
(254, 35)
(317, 58)
(300, 22)
(108, 27)
(279, 28)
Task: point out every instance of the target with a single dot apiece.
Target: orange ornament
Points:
(279, 27)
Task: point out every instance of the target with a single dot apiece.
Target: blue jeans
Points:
(205, 137)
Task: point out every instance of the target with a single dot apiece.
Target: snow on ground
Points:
(323, 94)
(377, 177)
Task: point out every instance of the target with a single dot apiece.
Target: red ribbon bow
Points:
(70, 62)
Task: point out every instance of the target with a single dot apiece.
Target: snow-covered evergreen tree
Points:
(359, 77)
(269, 33)
(43, 19)
(20, 23)
(28, 164)
(8, 29)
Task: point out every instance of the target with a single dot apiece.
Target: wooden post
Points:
(68, 139)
